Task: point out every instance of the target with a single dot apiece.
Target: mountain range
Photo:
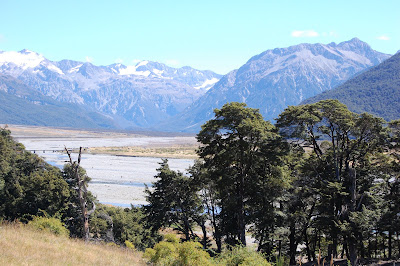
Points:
(21, 104)
(135, 96)
(375, 91)
(280, 77)
(151, 95)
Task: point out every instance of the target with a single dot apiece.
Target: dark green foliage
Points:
(243, 171)
(376, 91)
(28, 184)
(173, 201)
(343, 168)
(126, 224)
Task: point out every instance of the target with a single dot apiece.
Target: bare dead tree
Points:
(82, 192)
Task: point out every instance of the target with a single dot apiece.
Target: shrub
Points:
(171, 252)
(191, 253)
(241, 256)
(49, 224)
(129, 244)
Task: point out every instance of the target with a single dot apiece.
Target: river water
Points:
(115, 180)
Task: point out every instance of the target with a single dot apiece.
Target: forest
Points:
(323, 182)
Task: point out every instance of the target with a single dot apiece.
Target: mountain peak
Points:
(26, 51)
(354, 44)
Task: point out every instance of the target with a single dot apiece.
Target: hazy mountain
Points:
(277, 78)
(376, 91)
(25, 106)
(136, 96)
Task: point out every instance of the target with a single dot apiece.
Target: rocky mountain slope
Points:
(376, 91)
(134, 96)
(22, 105)
(280, 77)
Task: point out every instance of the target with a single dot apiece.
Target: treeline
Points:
(324, 180)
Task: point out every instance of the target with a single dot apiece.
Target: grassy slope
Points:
(20, 245)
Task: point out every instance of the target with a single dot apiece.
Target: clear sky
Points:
(218, 35)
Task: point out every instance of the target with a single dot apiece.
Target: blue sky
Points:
(216, 35)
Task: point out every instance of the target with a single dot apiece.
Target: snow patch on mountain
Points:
(207, 84)
(139, 95)
(24, 59)
(75, 69)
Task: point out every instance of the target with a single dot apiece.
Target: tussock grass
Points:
(22, 245)
(178, 151)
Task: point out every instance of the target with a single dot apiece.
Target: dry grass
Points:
(177, 151)
(21, 245)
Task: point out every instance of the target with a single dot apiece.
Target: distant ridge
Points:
(280, 77)
(24, 106)
(135, 96)
(376, 91)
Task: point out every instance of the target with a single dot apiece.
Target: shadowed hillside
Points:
(376, 91)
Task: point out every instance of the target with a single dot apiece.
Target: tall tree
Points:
(173, 201)
(351, 140)
(239, 149)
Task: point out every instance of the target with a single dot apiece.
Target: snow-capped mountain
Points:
(141, 95)
(280, 77)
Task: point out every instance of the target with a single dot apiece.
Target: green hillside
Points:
(25, 106)
(376, 91)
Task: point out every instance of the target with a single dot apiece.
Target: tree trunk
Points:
(307, 246)
(398, 244)
(353, 252)
(376, 244)
(334, 246)
(241, 222)
(292, 244)
(390, 244)
(383, 245)
(82, 192)
(352, 241)
(204, 230)
(361, 244)
(344, 249)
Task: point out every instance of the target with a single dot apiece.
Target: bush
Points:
(129, 245)
(241, 256)
(171, 252)
(51, 224)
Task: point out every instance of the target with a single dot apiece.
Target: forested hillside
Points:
(376, 91)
